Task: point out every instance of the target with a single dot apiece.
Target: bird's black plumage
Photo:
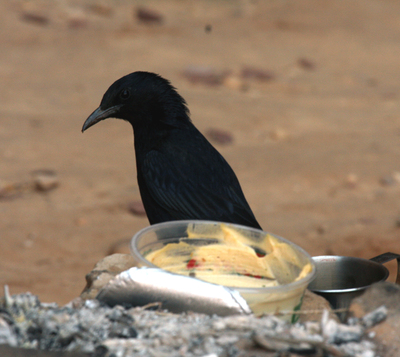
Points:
(180, 174)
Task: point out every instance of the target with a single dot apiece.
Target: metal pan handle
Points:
(387, 257)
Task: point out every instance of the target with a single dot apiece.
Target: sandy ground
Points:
(316, 145)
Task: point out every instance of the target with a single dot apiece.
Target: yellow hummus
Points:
(232, 257)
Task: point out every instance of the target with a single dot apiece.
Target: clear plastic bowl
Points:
(284, 299)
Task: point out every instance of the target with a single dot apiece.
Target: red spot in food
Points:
(192, 263)
(253, 276)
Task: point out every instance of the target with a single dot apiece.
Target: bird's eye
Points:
(125, 94)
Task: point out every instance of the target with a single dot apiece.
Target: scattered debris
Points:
(386, 181)
(45, 180)
(378, 310)
(148, 16)
(42, 181)
(321, 229)
(88, 326)
(208, 28)
(8, 351)
(37, 19)
(219, 136)
(205, 75)
(7, 335)
(77, 18)
(390, 180)
(351, 181)
(258, 74)
(336, 333)
(306, 63)
(9, 190)
(101, 9)
(278, 134)
(35, 14)
(234, 82)
(374, 317)
(231, 79)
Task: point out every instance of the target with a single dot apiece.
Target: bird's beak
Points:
(99, 114)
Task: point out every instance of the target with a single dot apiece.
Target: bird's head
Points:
(141, 98)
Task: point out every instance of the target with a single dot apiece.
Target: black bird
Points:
(180, 174)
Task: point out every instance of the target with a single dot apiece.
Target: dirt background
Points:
(315, 125)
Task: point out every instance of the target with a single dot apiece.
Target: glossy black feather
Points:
(180, 174)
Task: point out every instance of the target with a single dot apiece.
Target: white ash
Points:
(88, 326)
(7, 335)
(374, 317)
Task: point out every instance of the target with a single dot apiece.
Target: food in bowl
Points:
(269, 272)
(228, 256)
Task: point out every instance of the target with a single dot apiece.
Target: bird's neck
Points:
(152, 137)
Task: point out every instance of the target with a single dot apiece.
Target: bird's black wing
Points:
(196, 187)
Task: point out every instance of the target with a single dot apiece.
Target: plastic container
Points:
(285, 298)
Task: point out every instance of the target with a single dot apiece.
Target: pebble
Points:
(257, 74)
(77, 18)
(7, 189)
(278, 134)
(306, 63)
(10, 190)
(148, 16)
(234, 82)
(136, 208)
(219, 136)
(351, 181)
(33, 13)
(35, 18)
(390, 180)
(101, 9)
(204, 75)
(45, 180)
